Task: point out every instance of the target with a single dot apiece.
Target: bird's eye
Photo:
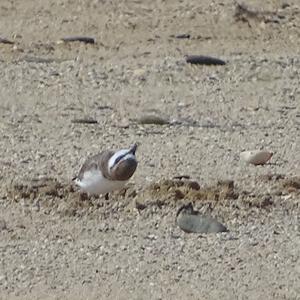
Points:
(118, 159)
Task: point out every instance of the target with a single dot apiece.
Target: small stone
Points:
(256, 157)
(153, 119)
(83, 39)
(3, 225)
(200, 224)
(183, 36)
(152, 237)
(123, 124)
(191, 221)
(204, 60)
(85, 120)
(6, 41)
(139, 72)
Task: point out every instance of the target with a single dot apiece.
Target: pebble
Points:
(5, 41)
(204, 60)
(83, 39)
(256, 157)
(183, 36)
(87, 120)
(191, 221)
(152, 119)
(200, 224)
(3, 225)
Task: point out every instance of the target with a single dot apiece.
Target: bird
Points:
(107, 171)
(190, 220)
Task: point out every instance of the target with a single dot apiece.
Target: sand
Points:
(55, 245)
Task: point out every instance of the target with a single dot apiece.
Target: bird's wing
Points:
(97, 162)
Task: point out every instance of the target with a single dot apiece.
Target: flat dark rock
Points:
(183, 36)
(153, 119)
(85, 121)
(83, 39)
(199, 224)
(180, 177)
(204, 60)
(6, 41)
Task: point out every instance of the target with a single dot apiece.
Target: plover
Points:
(107, 171)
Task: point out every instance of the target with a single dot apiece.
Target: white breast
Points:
(94, 183)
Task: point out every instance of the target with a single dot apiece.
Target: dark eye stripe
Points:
(119, 158)
(122, 156)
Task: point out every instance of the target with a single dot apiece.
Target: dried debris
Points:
(36, 188)
(166, 191)
(291, 184)
(244, 13)
(57, 197)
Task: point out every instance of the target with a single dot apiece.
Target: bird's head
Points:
(123, 163)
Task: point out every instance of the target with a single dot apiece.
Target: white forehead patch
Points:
(119, 153)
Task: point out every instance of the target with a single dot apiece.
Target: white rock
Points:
(256, 157)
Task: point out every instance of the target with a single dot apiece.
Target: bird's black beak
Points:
(133, 149)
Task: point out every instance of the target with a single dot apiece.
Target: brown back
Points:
(97, 162)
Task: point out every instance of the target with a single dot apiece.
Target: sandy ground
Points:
(54, 246)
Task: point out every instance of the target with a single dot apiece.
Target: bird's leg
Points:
(106, 197)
